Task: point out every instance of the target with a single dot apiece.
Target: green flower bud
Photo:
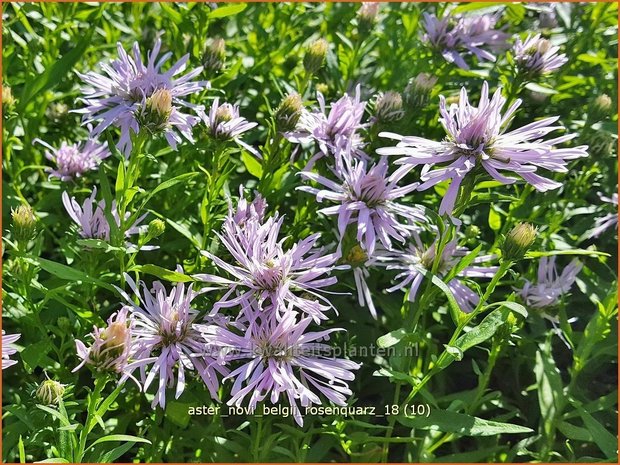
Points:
(156, 228)
(600, 107)
(367, 15)
(518, 241)
(24, 223)
(50, 392)
(472, 232)
(57, 111)
(389, 107)
(418, 90)
(315, 55)
(288, 113)
(322, 88)
(64, 324)
(214, 56)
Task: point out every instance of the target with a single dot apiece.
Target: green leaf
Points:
(483, 331)
(55, 74)
(591, 253)
(392, 338)
(514, 306)
(540, 89)
(56, 414)
(65, 272)
(462, 424)
(119, 437)
(168, 184)
(252, 165)
(495, 220)
(550, 389)
(172, 276)
(22, 450)
(228, 10)
(606, 441)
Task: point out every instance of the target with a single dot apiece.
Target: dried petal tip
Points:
(313, 60)
(214, 56)
(24, 223)
(289, 112)
(418, 90)
(50, 392)
(389, 107)
(518, 241)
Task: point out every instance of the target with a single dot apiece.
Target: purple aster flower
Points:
(72, 161)
(334, 129)
(112, 346)
(90, 217)
(366, 197)
(478, 137)
(165, 338)
(8, 348)
(134, 96)
(264, 273)
(279, 359)
(418, 258)
(224, 123)
(551, 285)
(454, 35)
(608, 221)
(537, 56)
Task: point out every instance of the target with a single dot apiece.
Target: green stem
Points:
(93, 401)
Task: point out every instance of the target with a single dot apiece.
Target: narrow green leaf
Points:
(119, 437)
(228, 10)
(168, 275)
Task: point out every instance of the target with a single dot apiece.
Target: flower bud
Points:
(315, 55)
(214, 56)
(518, 241)
(322, 88)
(289, 112)
(8, 101)
(156, 228)
(154, 116)
(224, 114)
(50, 392)
(57, 111)
(24, 223)
(64, 324)
(367, 15)
(472, 232)
(418, 90)
(356, 256)
(389, 107)
(600, 107)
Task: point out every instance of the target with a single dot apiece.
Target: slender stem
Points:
(93, 402)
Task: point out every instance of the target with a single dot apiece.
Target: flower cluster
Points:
(455, 35)
(537, 56)
(271, 285)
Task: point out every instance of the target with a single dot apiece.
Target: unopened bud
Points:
(57, 111)
(154, 117)
(313, 60)
(389, 107)
(356, 256)
(600, 108)
(367, 15)
(64, 324)
(156, 228)
(418, 90)
(322, 88)
(289, 112)
(24, 223)
(214, 56)
(8, 101)
(223, 114)
(518, 241)
(50, 392)
(472, 232)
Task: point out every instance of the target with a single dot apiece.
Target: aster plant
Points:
(135, 96)
(266, 274)
(366, 197)
(166, 345)
(74, 160)
(477, 139)
(277, 358)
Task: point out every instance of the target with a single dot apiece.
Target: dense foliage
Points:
(457, 289)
